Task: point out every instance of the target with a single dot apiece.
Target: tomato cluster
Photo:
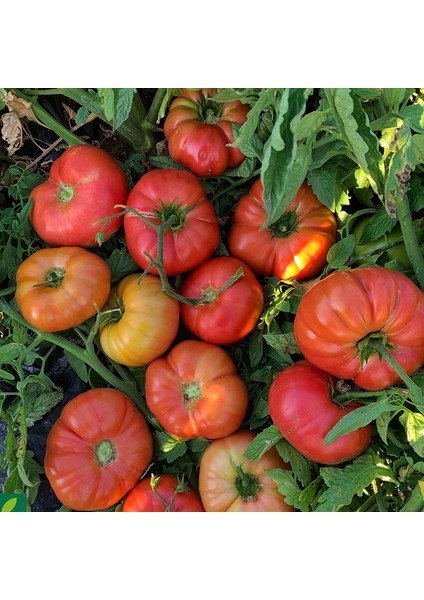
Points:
(102, 446)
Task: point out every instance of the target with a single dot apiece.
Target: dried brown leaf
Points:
(11, 131)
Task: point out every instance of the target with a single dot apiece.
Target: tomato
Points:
(143, 321)
(230, 316)
(59, 288)
(84, 186)
(198, 130)
(295, 246)
(97, 450)
(342, 315)
(163, 493)
(301, 406)
(196, 391)
(228, 482)
(192, 238)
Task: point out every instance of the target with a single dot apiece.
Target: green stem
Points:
(152, 115)
(50, 122)
(415, 392)
(89, 357)
(354, 395)
(410, 239)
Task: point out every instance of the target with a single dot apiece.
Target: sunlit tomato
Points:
(196, 391)
(341, 316)
(59, 288)
(97, 450)
(163, 493)
(295, 246)
(84, 186)
(301, 406)
(231, 315)
(199, 129)
(143, 321)
(228, 482)
(190, 240)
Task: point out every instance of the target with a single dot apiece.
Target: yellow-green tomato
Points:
(143, 321)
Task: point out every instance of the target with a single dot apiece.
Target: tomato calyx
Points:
(210, 294)
(209, 110)
(246, 484)
(105, 453)
(65, 192)
(285, 225)
(180, 488)
(53, 278)
(372, 344)
(174, 215)
(191, 393)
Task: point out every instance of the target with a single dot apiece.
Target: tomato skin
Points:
(142, 498)
(234, 313)
(71, 465)
(345, 307)
(198, 140)
(217, 476)
(301, 407)
(185, 247)
(205, 372)
(84, 287)
(96, 185)
(299, 254)
(148, 325)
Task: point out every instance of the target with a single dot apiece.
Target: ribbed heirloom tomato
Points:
(301, 406)
(341, 318)
(228, 482)
(227, 317)
(196, 391)
(194, 235)
(163, 493)
(199, 129)
(84, 186)
(97, 450)
(143, 321)
(295, 246)
(59, 288)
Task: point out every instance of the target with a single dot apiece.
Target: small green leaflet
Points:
(116, 104)
(77, 365)
(264, 102)
(340, 252)
(280, 155)
(299, 464)
(346, 482)
(379, 224)
(414, 427)
(284, 343)
(413, 116)
(355, 129)
(170, 447)
(393, 97)
(262, 442)
(288, 487)
(359, 418)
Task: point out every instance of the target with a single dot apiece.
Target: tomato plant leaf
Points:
(402, 162)
(262, 442)
(354, 126)
(123, 102)
(279, 157)
(379, 224)
(413, 424)
(288, 487)
(359, 418)
(324, 182)
(298, 463)
(121, 264)
(107, 102)
(346, 482)
(413, 115)
(367, 93)
(415, 502)
(284, 343)
(340, 252)
(77, 365)
(265, 101)
(393, 97)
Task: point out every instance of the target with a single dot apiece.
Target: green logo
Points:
(13, 503)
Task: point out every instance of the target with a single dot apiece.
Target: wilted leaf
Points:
(12, 132)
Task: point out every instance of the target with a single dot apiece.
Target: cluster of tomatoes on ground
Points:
(171, 228)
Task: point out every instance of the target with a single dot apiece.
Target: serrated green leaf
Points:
(121, 264)
(382, 424)
(309, 124)
(107, 100)
(165, 162)
(324, 183)
(37, 407)
(170, 446)
(360, 417)
(355, 129)
(340, 252)
(288, 488)
(280, 155)
(346, 482)
(82, 115)
(247, 130)
(262, 443)
(414, 117)
(413, 424)
(284, 343)
(329, 147)
(379, 224)
(298, 463)
(123, 102)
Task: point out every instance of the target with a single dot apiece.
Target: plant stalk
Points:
(410, 239)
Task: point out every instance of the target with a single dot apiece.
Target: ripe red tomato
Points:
(295, 246)
(342, 313)
(230, 316)
(97, 450)
(84, 186)
(163, 493)
(143, 321)
(195, 234)
(228, 482)
(199, 129)
(301, 406)
(59, 288)
(196, 391)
